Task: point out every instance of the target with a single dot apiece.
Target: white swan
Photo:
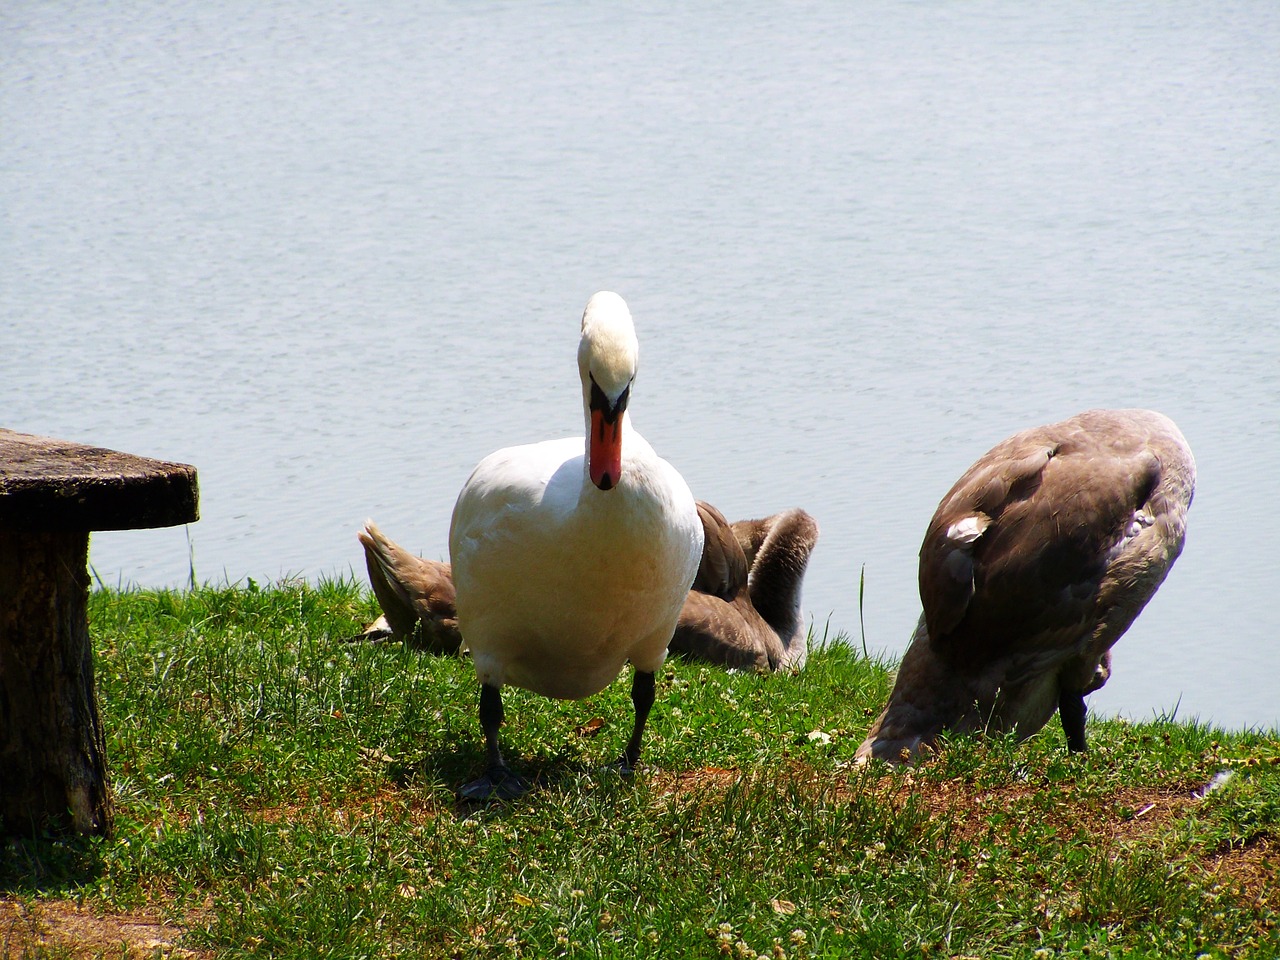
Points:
(571, 557)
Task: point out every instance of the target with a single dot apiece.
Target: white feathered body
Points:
(560, 583)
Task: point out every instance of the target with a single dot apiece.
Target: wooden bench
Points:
(53, 770)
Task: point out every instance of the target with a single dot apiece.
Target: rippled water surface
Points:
(333, 255)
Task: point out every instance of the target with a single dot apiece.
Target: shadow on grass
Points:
(447, 770)
(46, 862)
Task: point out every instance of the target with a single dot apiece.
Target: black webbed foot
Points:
(623, 767)
(498, 783)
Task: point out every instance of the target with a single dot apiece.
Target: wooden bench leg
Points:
(53, 770)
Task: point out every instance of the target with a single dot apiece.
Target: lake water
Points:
(334, 254)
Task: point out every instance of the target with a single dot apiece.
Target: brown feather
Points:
(759, 625)
(1035, 563)
(416, 595)
(723, 570)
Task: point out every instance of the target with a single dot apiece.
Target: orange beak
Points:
(604, 452)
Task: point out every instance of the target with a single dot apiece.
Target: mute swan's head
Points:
(607, 358)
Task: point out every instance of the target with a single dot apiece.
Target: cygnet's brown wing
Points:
(1042, 536)
(727, 634)
(723, 570)
(761, 627)
(778, 548)
(411, 591)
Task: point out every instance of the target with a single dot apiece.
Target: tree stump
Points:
(53, 769)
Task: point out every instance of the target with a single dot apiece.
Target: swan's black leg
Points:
(1071, 711)
(498, 781)
(642, 697)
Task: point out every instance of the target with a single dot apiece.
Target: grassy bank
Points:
(282, 793)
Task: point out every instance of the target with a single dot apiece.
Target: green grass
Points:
(282, 793)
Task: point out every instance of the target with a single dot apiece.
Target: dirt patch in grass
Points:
(1252, 870)
(77, 930)
(695, 781)
(1122, 815)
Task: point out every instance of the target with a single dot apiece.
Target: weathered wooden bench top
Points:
(48, 484)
